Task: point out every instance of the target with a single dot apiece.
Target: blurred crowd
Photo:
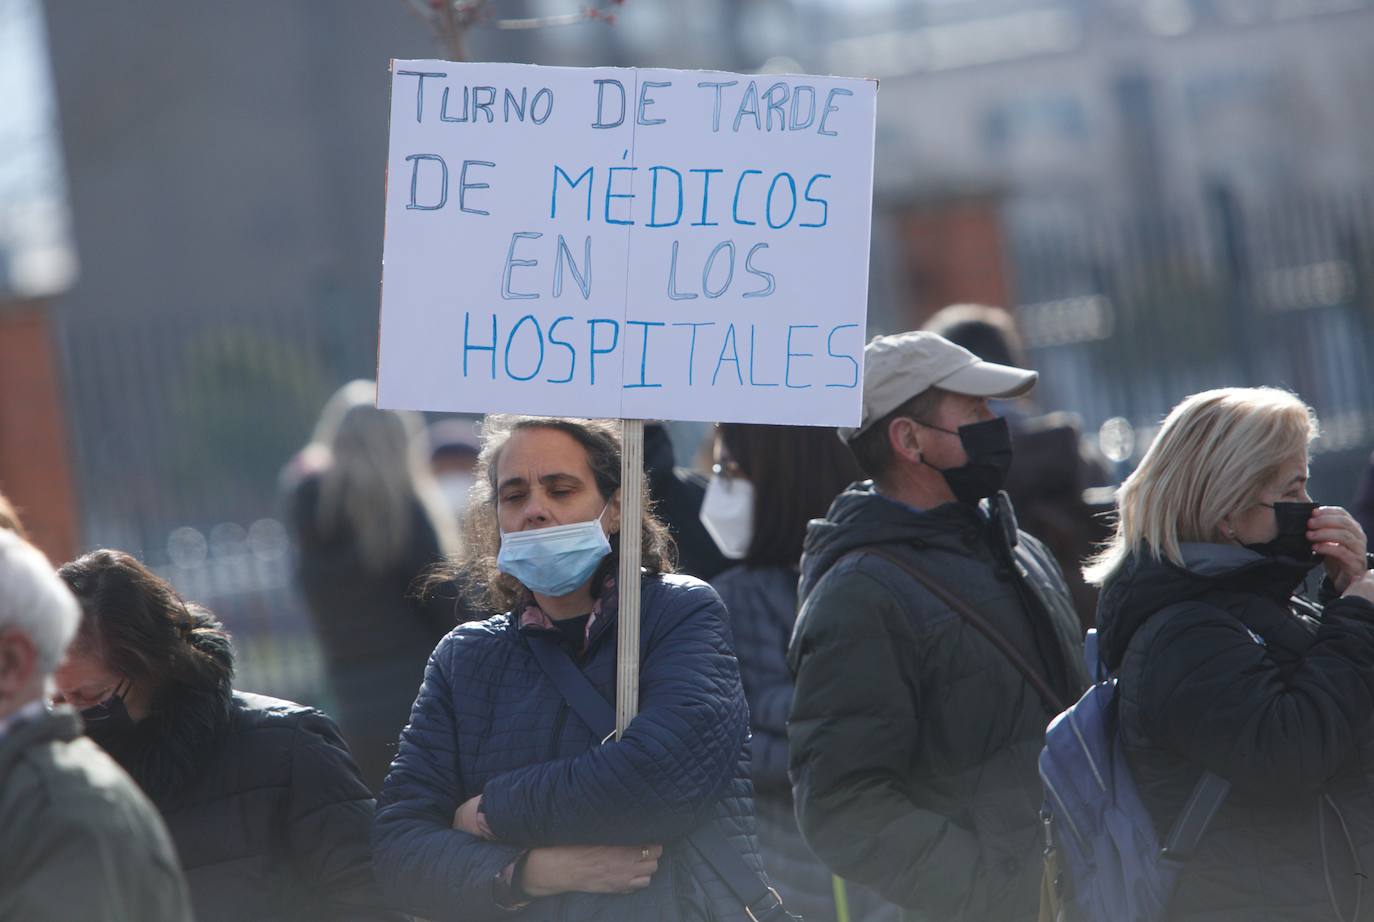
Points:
(852, 646)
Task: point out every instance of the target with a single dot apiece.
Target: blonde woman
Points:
(1223, 669)
(369, 522)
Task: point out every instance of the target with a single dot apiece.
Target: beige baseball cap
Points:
(900, 366)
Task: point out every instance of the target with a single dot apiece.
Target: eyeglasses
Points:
(105, 709)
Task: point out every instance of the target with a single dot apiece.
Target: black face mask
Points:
(1291, 541)
(109, 725)
(988, 446)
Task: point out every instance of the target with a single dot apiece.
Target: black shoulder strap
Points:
(979, 623)
(760, 901)
(1191, 823)
(594, 710)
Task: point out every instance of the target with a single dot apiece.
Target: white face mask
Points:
(456, 489)
(727, 511)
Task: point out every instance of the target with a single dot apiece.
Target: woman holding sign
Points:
(506, 792)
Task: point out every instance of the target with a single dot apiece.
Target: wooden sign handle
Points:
(631, 512)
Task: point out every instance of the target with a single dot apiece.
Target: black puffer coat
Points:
(1275, 695)
(762, 602)
(269, 816)
(914, 740)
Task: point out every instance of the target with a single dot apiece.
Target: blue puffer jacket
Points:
(488, 721)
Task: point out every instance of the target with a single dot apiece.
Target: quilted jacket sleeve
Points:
(673, 762)
(853, 734)
(330, 822)
(1213, 695)
(422, 863)
(762, 607)
(330, 817)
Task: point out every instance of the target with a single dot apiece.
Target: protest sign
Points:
(642, 244)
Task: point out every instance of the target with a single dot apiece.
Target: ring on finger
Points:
(644, 854)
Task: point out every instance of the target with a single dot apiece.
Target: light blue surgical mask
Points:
(555, 560)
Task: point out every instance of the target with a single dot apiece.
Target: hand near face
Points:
(1340, 541)
(1362, 588)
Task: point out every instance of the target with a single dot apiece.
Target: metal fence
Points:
(1126, 315)
(181, 423)
(180, 426)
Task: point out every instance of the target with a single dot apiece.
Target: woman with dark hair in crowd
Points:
(769, 481)
(264, 804)
(502, 797)
(1223, 669)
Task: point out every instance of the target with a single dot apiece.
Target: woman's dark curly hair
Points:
(484, 582)
(141, 629)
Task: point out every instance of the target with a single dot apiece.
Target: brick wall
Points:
(34, 470)
(952, 252)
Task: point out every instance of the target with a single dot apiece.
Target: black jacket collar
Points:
(861, 516)
(1144, 586)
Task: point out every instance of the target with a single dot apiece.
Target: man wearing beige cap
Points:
(935, 642)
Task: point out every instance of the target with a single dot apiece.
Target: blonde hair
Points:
(9, 518)
(1215, 454)
(373, 476)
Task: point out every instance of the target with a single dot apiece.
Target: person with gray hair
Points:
(78, 840)
(370, 522)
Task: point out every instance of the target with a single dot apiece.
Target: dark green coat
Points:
(78, 840)
(913, 740)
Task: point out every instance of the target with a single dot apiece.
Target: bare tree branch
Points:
(451, 19)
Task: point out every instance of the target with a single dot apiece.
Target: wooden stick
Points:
(631, 512)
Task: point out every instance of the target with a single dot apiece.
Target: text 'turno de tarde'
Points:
(561, 348)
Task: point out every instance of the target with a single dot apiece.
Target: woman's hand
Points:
(588, 869)
(468, 818)
(1362, 588)
(1340, 541)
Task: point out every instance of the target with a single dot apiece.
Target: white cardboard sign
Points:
(640, 244)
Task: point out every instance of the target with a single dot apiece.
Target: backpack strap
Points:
(1192, 822)
(1092, 657)
(761, 902)
(1032, 676)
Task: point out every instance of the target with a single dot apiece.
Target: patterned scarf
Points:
(533, 618)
